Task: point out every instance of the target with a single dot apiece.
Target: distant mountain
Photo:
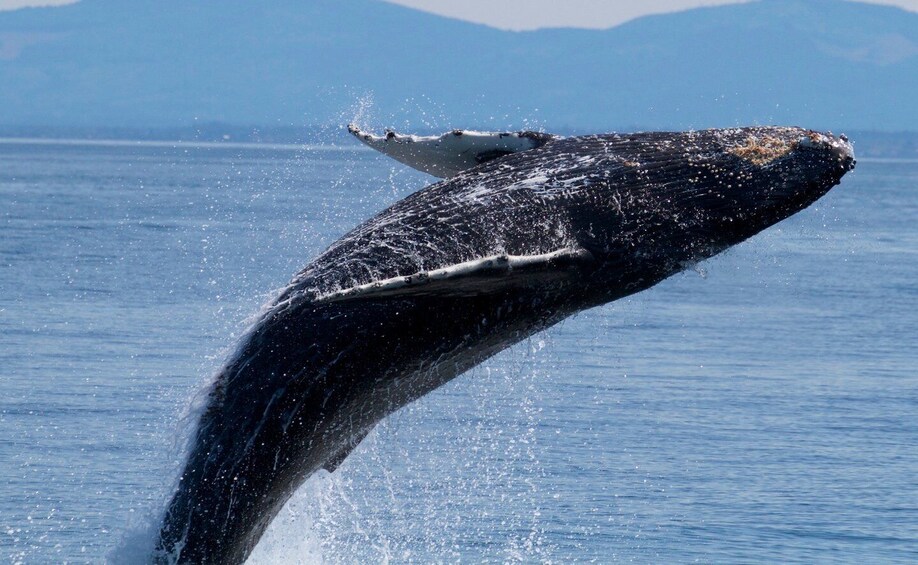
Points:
(161, 63)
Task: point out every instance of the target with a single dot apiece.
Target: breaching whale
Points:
(527, 229)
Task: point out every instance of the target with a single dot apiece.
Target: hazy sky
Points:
(10, 4)
(530, 14)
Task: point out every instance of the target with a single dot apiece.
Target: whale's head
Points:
(772, 173)
(670, 199)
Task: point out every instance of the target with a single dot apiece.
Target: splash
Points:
(446, 478)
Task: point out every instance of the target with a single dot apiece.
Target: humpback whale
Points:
(525, 230)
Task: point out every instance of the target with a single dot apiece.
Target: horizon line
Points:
(177, 144)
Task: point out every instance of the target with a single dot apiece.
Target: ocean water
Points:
(763, 408)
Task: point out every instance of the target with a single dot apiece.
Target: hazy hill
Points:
(820, 63)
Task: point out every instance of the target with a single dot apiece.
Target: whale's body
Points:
(455, 273)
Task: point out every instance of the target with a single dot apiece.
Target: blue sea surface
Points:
(761, 408)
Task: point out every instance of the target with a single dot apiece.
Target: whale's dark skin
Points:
(323, 366)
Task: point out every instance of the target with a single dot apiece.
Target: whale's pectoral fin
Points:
(451, 153)
(481, 276)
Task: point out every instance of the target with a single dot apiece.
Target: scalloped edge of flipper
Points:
(447, 155)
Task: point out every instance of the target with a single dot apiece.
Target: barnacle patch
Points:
(762, 150)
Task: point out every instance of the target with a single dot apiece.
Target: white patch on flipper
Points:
(495, 264)
(449, 154)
